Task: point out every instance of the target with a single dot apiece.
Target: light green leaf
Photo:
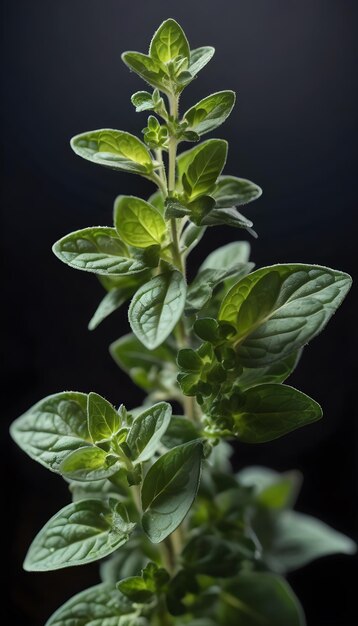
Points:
(272, 489)
(142, 100)
(147, 430)
(232, 191)
(168, 42)
(210, 112)
(169, 489)
(112, 301)
(151, 70)
(260, 599)
(300, 539)
(201, 289)
(98, 250)
(103, 419)
(157, 200)
(204, 167)
(268, 411)
(278, 309)
(88, 464)
(225, 256)
(116, 149)
(53, 428)
(199, 58)
(153, 370)
(137, 222)
(81, 532)
(276, 372)
(102, 605)
(156, 308)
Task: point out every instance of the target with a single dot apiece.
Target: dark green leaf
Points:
(232, 191)
(227, 217)
(112, 301)
(147, 430)
(169, 489)
(137, 222)
(276, 372)
(115, 149)
(135, 588)
(169, 42)
(52, 428)
(258, 599)
(180, 430)
(213, 556)
(268, 411)
(102, 605)
(200, 290)
(278, 309)
(210, 112)
(156, 308)
(153, 370)
(98, 250)
(103, 419)
(80, 533)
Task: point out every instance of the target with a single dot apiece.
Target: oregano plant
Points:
(183, 539)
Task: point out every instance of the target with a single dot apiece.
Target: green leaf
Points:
(278, 309)
(87, 490)
(169, 489)
(210, 112)
(81, 532)
(212, 556)
(199, 58)
(228, 217)
(127, 561)
(153, 370)
(102, 605)
(203, 168)
(53, 428)
(299, 539)
(232, 191)
(157, 307)
(115, 149)
(258, 599)
(169, 42)
(88, 464)
(225, 256)
(98, 250)
(268, 411)
(276, 372)
(135, 588)
(142, 100)
(201, 289)
(137, 222)
(112, 301)
(103, 419)
(157, 200)
(180, 430)
(149, 69)
(147, 430)
(191, 236)
(272, 489)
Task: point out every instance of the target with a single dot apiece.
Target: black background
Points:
(293, 131)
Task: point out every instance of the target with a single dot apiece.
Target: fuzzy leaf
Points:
(147, 430)
(53, 428)
(210, 112)
(202, 167)
(115, 149)
(233, 191)
(137, 222)
(278, 309)
(169, 489)
(88, 464)
(98, 250)
(81, 532)
(156, 308)
(168, 42)
(199, 58)
(103, 419)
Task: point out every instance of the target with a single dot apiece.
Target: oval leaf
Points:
(101, 605)
(169, 489)
(137, 222)
(203, 166)
(53, 428)
(157, 307)
(276, 372)
(199, 58)
(225, 256)
(80, 533)
(103, 419)
(278, 309)
(232, 191)
(210, 112)
(268, 411)
(98, 250)
(116, 149)
(151, 70)
(147, 430)
(88, 464)
(168, 42)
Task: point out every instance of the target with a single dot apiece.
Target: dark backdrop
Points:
(293, 131)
